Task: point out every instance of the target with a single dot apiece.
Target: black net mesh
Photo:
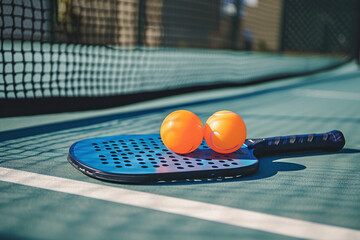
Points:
(69, 50)
(320, 26)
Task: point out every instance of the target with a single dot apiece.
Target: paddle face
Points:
(145, 159)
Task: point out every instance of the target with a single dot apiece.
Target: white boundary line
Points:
(327, 94)
(205, 211)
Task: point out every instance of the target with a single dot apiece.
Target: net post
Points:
(141, 22)
(52, 16)
(235, 26)
(282, 28)
(357, 47)
(2, 28)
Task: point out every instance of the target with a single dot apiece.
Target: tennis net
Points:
(70, 55)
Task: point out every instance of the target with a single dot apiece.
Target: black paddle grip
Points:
(332, 141)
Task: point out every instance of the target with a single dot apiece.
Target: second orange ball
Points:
(225, 132)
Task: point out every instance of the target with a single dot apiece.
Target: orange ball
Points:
(225, 132)
(182, 131)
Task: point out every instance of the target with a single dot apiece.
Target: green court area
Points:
(313, 196)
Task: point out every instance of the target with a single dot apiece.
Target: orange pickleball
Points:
(225, 132)
(182, 131)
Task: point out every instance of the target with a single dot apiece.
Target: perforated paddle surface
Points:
(146, 154)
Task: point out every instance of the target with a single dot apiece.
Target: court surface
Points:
(314, 196)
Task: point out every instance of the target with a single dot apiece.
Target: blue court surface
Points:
(314, 196)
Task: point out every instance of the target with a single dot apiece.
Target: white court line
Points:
(205, 211)
(327, 94)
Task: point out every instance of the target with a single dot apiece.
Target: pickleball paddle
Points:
(144, 159)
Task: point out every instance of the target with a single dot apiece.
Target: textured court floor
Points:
(318, 188)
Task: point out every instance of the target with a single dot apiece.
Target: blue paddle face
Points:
(144, 158)
(121, 158)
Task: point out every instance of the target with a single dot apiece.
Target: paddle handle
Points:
(332, 141)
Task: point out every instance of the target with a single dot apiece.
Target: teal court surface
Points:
(315, 196)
